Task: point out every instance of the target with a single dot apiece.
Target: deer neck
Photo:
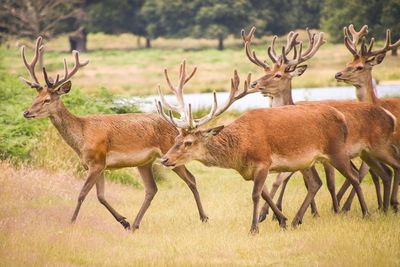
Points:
(223, 151)
(69, 126)
(366, 91)
(283, 98)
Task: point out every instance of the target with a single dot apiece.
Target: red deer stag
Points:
(106, 141)
(358, 72)
(370, 144)
(262, 140)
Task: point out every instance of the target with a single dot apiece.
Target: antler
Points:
(31, 66)
(251, 54)
(52, 84)
(185, 120)
(351, 43)
(315, 41)
(388, 46)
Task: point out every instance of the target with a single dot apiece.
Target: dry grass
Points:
(35, 230)
(118, 64)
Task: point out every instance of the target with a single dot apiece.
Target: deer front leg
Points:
(100, 196)
(347, 183)
(330, 181)
(150, 189)
(95, 172)
(259, 181)
(393, 200)
(190, 180)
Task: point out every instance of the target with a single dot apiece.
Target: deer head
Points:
(279, 74)
(358, 71)
(47, 100)
(191, 142)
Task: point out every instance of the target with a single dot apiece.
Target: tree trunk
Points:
(394, 51)
(148, 42)
(78, 40)
(220, 43)
(138, 42)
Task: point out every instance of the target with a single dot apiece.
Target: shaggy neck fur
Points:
(365, 91)
(283, 98)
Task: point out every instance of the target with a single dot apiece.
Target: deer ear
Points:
(376, 60)
(213, 131)
(63, 88)
(298, 71)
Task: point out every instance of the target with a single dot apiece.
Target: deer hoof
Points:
(315, 214)
(253, 230)
(296, 222)
(282, 223)
(262, 217)
(125, 224)
(204, 219)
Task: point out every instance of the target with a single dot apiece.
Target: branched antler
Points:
(186, 120)
(31, 66)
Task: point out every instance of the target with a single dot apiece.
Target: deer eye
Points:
(188, 143)
(360, 68)
(278, 75)
(47, 100)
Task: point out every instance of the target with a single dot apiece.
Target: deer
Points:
(370, 144)
(105, 141)
(358, 73)
(261, 141)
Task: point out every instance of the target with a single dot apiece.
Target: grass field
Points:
(37, 205)
(118, 64)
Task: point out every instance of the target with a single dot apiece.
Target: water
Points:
(256, 100)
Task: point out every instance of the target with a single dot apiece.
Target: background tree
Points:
(391, 19)
(31, 18)
(217, 19)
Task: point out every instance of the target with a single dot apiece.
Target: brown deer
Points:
(106, 141)
(370, 144)
(279, 139)
(358, 72)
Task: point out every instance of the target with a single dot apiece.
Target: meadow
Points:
(40, 176)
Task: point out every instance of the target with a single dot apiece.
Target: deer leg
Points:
(313, 205)
(314, 184)
(150, 189)
(393, 200)
(279, 215)
(280, 178)
(280, 198)
(346, 183)
(330, 181)
(95, 171)
(100, 196)
(343, 164)
(190, 180)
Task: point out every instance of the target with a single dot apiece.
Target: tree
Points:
(115, 16)
(33, 18)
(391, 19)
(217, 19)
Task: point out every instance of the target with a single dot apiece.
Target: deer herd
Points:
(284, 138)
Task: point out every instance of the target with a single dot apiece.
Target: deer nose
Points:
(164, 161)
(253, 84)
(25, 114)
(338, 75)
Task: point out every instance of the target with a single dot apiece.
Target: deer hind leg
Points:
(313, 205)
(100, 196)
(314, 183)
(342, 163)
(393, 200)
(361, 173)
(150, 189)
(190, 180)
(282, 177)
(280, 198)
(330, 181)
(95, 172)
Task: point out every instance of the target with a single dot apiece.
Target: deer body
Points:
(262, 140)
(358, 72)
(106, 141)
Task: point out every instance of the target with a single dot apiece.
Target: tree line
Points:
(213, 19)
